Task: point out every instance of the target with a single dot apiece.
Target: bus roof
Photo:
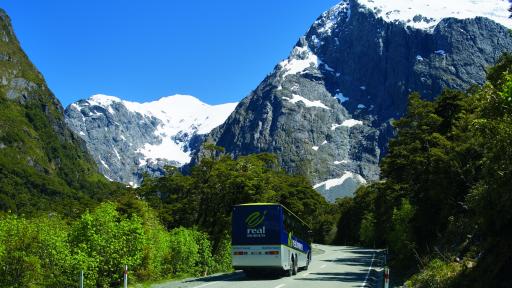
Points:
(275, 204)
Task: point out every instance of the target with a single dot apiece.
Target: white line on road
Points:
(209, 283)
(279, 286)
(305, 274)
(369, 270)
(323, 266)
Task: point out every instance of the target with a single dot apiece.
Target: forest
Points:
(442, 207)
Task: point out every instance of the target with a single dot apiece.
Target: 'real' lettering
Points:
(256, 232)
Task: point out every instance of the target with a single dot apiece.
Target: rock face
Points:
(128, 139)
(326, 110)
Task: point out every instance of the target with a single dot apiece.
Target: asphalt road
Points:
(332, 266)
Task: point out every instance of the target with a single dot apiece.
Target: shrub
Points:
(34, 253)
(111, 242)
(437, 274)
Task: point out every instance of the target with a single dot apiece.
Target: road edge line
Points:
(369, 270)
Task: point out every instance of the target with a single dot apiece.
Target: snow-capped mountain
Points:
(425, 15)
(129, 138)
(326, 110)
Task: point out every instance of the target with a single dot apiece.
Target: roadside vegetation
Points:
(443, 204)
(171, 227)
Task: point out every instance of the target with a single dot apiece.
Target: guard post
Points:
(126, 276)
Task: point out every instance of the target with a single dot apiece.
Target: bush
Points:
(34, 253)
(156, 247)
(222, 259)
(110, 242)
(187, 252)
(437, 274)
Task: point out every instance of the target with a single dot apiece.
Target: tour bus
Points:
(269, 237)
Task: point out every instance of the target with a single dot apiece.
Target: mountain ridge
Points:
(41, 159)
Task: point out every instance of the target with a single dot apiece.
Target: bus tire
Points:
(290, 270)
(295, 266)
(308, 261)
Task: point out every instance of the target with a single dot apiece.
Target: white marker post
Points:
(126, 276)
(81, 278)
(386, 277)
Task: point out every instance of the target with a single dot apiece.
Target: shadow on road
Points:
(345, 277)
(238, 277)
(352, 261)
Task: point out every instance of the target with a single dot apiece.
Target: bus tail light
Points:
(272, 253)
(239, 253)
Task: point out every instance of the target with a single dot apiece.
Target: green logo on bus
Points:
(255, 219)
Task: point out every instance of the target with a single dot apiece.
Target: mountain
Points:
(327, 109)
(128, 139)
(44, 166)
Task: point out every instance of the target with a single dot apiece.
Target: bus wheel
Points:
(295, 266)
(308, 261)
(290, 271)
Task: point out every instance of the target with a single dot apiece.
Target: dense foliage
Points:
(205, 197)
(47, 251)
(445, 190)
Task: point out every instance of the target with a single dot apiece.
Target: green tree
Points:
(367, 230)
(110, 241)
(400, 237)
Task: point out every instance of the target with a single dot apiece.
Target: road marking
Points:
(209, 283)
(323, 266)
(369, 270)
(279, 286)
(305, 274)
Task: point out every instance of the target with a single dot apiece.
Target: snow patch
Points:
(361, 106)
(341, 162)
(421, 14)
(300, 59)
(117, 154)
(347, 123)
(440, 52)
(331, 183)
(315, 148)
(351, 123)
(104, 164)
(328, 68)
(341, 97)
(296, 98)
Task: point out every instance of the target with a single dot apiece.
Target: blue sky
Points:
(217, 51)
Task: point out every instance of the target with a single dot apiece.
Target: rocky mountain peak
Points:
(129, 138)
(327, 109)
